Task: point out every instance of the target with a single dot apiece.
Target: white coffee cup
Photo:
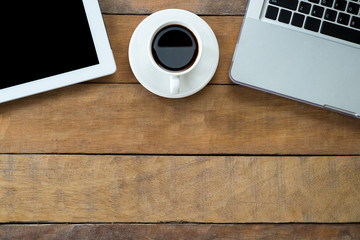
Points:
(167, 33)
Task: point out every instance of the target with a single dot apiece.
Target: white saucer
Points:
(158, 82)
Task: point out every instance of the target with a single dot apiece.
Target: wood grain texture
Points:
(182, 232)
(203, 7)
(77, 188)
(115, 115)
(121, 28)
(127, 119)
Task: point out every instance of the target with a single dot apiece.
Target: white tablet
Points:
(52, 44)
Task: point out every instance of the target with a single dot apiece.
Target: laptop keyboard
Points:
(335, 18)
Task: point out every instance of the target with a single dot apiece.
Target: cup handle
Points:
(174, 84)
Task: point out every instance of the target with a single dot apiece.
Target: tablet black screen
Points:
(46, 38)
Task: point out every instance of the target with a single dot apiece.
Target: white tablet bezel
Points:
(105, 67)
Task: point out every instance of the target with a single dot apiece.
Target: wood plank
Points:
(203, 7)
(181, 231)
(121, 28)
(126, 118)
(90, 188)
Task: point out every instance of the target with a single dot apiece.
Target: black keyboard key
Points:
(355, 22)
(289, 4)
(343, 18)
(272, 12)
(340, 32)
(284, 16)
(353, 8)
(327, 3)
(340, 5)
(317, 11)
(298, 20)
(312, 24)
(304, 7)
(314, 1)
(330, 15)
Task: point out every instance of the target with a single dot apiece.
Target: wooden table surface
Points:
(107, 158)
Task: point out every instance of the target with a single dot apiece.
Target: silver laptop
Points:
(307, 50)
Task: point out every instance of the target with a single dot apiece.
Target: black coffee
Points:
(175, 48)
